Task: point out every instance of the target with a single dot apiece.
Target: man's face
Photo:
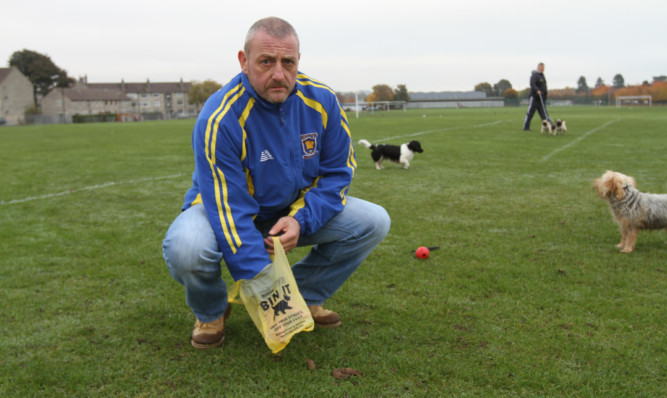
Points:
(271, 65)
(540, 68)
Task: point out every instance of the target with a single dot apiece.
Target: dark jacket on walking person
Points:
(538, 97)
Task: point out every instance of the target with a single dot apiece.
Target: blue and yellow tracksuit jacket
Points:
(257, 161)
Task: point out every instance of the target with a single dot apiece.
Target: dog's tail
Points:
(367, 144)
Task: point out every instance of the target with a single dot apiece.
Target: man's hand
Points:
(539, 92)
(289, 230)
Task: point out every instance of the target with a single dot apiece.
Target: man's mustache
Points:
(278, 85)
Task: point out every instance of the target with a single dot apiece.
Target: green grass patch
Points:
(527, 295)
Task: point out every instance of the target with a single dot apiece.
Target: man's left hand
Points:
(289, 230)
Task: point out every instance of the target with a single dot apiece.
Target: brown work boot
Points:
(210, 334)
(324, 318)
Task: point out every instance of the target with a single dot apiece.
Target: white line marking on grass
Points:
(586, 134)
(443, 129)
(88, 188)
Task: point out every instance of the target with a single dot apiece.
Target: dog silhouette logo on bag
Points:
(278, 301)
(282, 305)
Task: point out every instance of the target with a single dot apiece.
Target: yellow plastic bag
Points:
(273, 301)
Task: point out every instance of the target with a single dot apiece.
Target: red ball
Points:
(422, 252)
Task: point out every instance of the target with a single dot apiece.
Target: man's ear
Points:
(243, 61)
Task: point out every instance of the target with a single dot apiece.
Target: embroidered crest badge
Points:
(309, 145)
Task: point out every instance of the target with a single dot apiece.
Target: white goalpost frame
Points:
(640, 98)
(360, 104)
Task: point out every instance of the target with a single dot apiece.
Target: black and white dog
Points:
(402, 154)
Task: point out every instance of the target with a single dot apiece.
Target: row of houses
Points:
(148, 100)
(127, 101)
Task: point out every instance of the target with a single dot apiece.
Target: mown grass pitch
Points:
(527, 295)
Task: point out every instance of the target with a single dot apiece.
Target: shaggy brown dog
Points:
(632, 210)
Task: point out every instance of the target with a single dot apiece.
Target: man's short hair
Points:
(274, 26)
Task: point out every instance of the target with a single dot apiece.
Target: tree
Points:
(599, 83)
(661, 78)
(500, 87)
(619, 82)
(200, 91)
(41, 71)
(525, 93)
(601, 93)
(382, 92)
(562, 94)
(401, 93)
(346, 97)
(372, 97)
(511, 97)
(510, 93)
(582, 86)
(485, 88)
(657, 90)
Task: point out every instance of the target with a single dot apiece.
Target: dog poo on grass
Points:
(311, 364)
(345, 373)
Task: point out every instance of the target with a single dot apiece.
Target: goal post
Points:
(634, 100)
(383, 105)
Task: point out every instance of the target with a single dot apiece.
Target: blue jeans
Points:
(339, 247)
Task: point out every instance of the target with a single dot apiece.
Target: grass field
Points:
(526, 297)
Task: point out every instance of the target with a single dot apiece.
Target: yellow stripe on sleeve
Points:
(301, 202)
(251, 185)
(221, 198)
(308, 81)
(305, 80)
(244, 151)
(315, 105)
(197, 200)
(242, 120)
(351, 161)
(343, 196)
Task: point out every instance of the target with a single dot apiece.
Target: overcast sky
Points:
(434, 45)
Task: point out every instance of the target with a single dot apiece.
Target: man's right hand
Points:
(288, 229)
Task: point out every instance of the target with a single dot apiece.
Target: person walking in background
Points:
(538, 97)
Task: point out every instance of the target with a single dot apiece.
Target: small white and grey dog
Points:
(561, 128)
(402, 154)
(546, 127)
(632, 210)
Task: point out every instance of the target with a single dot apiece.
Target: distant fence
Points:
(480, 103)
(100, 118)
(95, 118)
(48, 119)
(526, 101)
